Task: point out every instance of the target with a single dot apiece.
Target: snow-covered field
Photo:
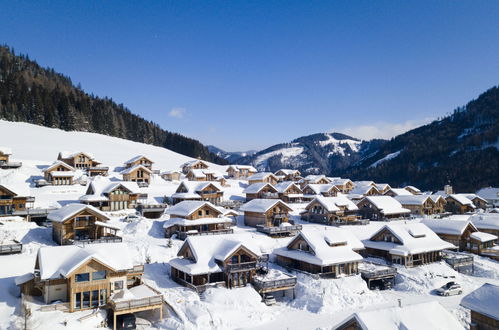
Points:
(319, 303)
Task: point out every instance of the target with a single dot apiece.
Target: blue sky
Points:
(249, 74)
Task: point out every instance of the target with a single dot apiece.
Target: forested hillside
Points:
(41, 96)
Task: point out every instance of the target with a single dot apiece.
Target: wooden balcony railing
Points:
(231, 268)
(261, 284)
(136, 303)
(278, 230)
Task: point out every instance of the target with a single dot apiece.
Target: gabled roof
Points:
(436, 198)
(449, 227)
(362, 189)
(333, 204)
(186, 208)
(286, 171)
(194, 162)
(201, 173)
(486, 221)
(8, 190)
(386, 204)
(415, 238)
(72, 154)
(429, 315)
(69, 210)
(194, 187)
(412, 188)
(262, 205)
(100, 187)
(462, 199)
(135, 168)
(320, 242)
(6, 151)
(170, 172)
(261, 176)
(483, 300)
(319, 188)
(61, 261)
(412, 199)
(282, 187)
(208, 249)
(257, 187)
(399, 192)
(340, 181)
(243, 167)
(364, 183)
(489, 193)
(313, 178)
(136, 158)
(59, 163)
(327, 202)
(382, 186)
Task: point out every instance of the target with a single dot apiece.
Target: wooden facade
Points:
(119, 198)
(288, 175)
(273, 217)
(454, 206)
(81, 227)
(292, 194)
(316, 212)
(194, 165)
(240, 172)
(137, 173)
(10, 202)
(208, 193)
(269, 178)
(266, 192)
(59, 174)
(140, 160)
(368, 210)
(79, 160)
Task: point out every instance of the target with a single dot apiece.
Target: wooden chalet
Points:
(270, 216)
(289, 192)
(189, 218)
(79, 223)
(365, 190)
(11, 202)
(265, 177)
(344, 185)
(382, 188)
(429, 315)
(413, 190)
(137, 173)
(206, 175)
(77, 278)
(331, 210)
(195, 164)
(59, 173)
(240, 171)
(171, 175)
(419, 204)
(139, 160)
(438, 203)
(199, 191)
(205, 261)
(288, 175)
(83, 161)
(381, 208)
(5, 162)
(463, 234)
(394, 192)
(314, 179)
(318, 189)
(260, 190)
(409, 244)
(482, 304)
(107, 195)
(329, 253)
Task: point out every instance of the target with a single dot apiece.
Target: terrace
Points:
(281, 230)
(10, 247)
(273, 281)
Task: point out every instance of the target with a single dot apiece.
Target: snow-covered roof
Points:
(186, 208)
(72, 154)
(207, 249)
(387, 205)
(320, 242)
(449, 227)
(400, 192)
(429, 315)
(193, 187)
(313, 178)
(282, 187)
(412, 188)
(412, 199)
(60, 261)
(483, 237)
(134, 168)
(486, 221)
(261, 176)
(490, 193)
(102, 186)
(69, 210)
(262, 205)
(243, 167)
(340, 181)
(136, 158)
(257, 187)
(382, 186)
(319, 188)
(170, 172)
(364, 183)
(436, 198)
(5, 150)
(415, 238)
(197, 222)
(462, 199)
(483, 300)
(137, 292)
(362, 189)
(59, 163)
(286, 171)
(333, 204)
(193, 162)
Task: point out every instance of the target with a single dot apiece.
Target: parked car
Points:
(269, 300)
(132, 217)
(449, 289)
(124, 321)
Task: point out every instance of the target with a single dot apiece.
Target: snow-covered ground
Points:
(319, 303)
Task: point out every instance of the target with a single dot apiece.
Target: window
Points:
(118, 285)
(83, 277)
(207, 212)
(78, 300)
(200, 213)
(95, 298)
(86, 299)
(98, 275)
(234, 260)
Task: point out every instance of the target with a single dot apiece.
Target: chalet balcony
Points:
(278, 230)
(374, 271)
(183, 235)
(152, 207)
(11, 247)
(263, 285)
(6, 165)
(243, 266)
(279, 215)
(103, 239)
(154, 301)
(270, 195)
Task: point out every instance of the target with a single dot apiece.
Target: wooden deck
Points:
(275, 231)
(265, 286)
